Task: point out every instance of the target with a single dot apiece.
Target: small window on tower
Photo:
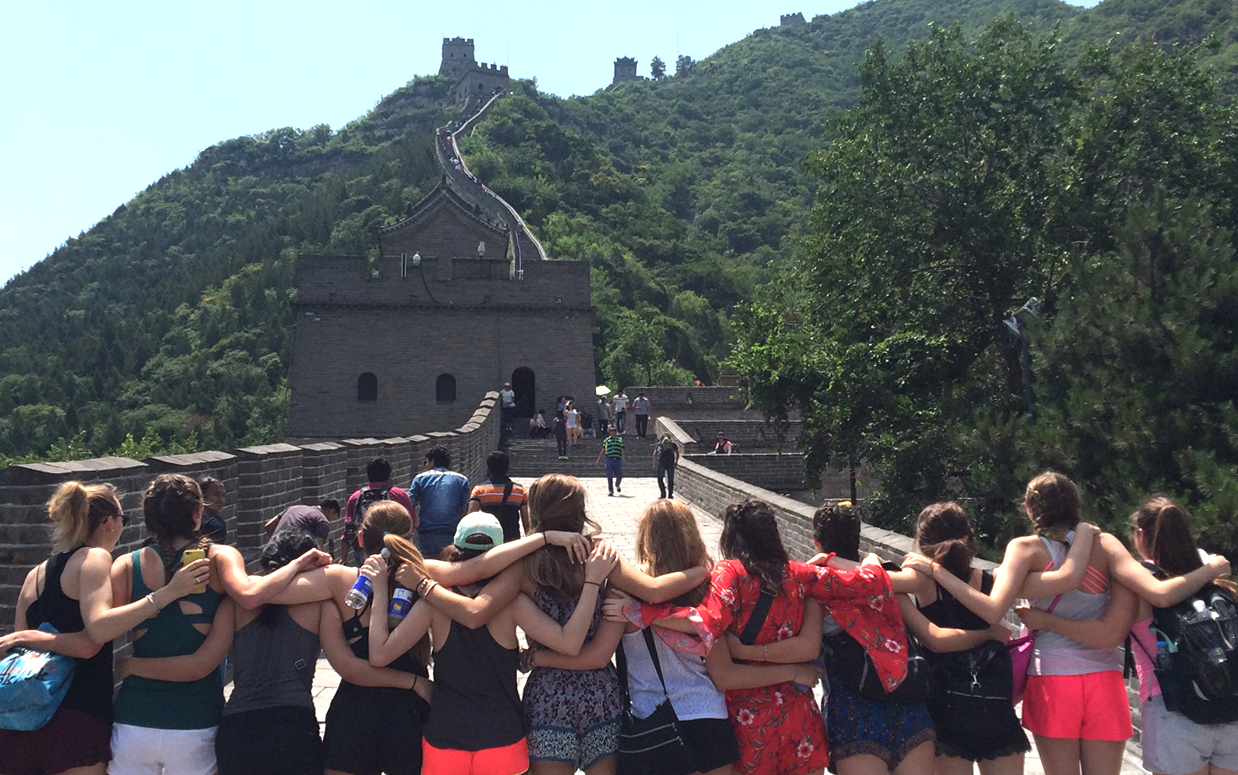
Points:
(445, 389)
(367, 387)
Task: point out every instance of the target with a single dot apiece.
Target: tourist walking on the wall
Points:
(442, 498)
(378, 474)
(603, 416)
(558, 429)
(572, 418)
(641, 407)
(723, 445)
(665, 461)
(72, 592)
(612, 451)
(507, 402)
(502, 497)
(620, 406)
(214, 498)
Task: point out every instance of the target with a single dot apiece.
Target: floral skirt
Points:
(883, 729)
(778, 729)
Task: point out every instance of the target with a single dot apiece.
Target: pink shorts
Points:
(509, 760)
(1092, 706)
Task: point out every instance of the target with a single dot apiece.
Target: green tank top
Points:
(143, 702)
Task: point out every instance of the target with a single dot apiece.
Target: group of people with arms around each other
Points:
(727, 651)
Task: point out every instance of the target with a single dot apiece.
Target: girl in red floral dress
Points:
(779, 730)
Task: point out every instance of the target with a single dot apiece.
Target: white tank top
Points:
(1055, 654)
(693, 695)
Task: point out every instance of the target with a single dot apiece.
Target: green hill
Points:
(170, 320)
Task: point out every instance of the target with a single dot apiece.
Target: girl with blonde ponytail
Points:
(72, 591)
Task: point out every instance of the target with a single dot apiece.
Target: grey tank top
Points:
(273, 665)
(1055, 654)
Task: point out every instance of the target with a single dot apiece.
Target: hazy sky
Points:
(99, 100)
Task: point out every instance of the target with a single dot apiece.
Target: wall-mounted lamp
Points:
(416, 259)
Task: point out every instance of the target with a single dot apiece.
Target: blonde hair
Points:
(387, 524)
(557, 502)
(668, 540)
(79, 509)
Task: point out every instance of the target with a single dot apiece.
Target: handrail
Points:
(516, 225)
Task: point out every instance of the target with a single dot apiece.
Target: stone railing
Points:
(259, 481)
(664, 399)
(770, 470)
(712, 491)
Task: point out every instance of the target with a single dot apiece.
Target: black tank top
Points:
(476, 704)
(90, 691)
(358, 638)
(947, 611)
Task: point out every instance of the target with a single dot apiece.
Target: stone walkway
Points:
(618, 517)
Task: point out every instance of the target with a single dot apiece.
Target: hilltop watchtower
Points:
(458, 57)
(791, 20)
(413, 338)
(625, 70)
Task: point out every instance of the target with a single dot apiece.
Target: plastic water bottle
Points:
(361, 590)
(401, 604)
(1210, 633)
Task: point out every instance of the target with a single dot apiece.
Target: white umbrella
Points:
(602, 390)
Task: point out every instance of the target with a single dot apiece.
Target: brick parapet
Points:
(770, 470)
(260, 482)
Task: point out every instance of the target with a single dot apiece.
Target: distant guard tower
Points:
(625, 70)
(791, 20)
(472, 79)
(458, 57)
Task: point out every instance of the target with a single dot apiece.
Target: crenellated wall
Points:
(260, 482)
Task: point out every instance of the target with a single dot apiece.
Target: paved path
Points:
(618, 517)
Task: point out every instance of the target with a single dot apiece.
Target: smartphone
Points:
(193, 555)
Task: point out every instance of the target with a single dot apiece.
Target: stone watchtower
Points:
(625, 70)
(458, 57)
(791, 20)
(411, 341)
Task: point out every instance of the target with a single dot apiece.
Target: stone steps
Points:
(537, 457)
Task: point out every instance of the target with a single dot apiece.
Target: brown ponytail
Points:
(170, 510)
(1052, 501)
(388, 525)
(945, 535)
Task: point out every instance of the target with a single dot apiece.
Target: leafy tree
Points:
(683, 66)
(657, 68)
(969, 177)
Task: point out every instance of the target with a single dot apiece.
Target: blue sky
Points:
(101, 99)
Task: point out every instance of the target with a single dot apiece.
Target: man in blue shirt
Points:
(442, 498)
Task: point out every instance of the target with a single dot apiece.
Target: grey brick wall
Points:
(751, 434)
(260, 482)
(769, 470)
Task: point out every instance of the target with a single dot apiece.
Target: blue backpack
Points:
(32, 684)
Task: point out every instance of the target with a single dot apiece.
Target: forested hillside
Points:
(169, 321)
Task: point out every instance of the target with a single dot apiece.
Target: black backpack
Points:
(1197, 668)
(845, 658)
(368, 497)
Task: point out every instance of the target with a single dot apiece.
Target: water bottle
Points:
(359, 595)
(401, 604)
(1164, 655)
(1205, 633)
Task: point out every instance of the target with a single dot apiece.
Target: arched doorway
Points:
(524, 385)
